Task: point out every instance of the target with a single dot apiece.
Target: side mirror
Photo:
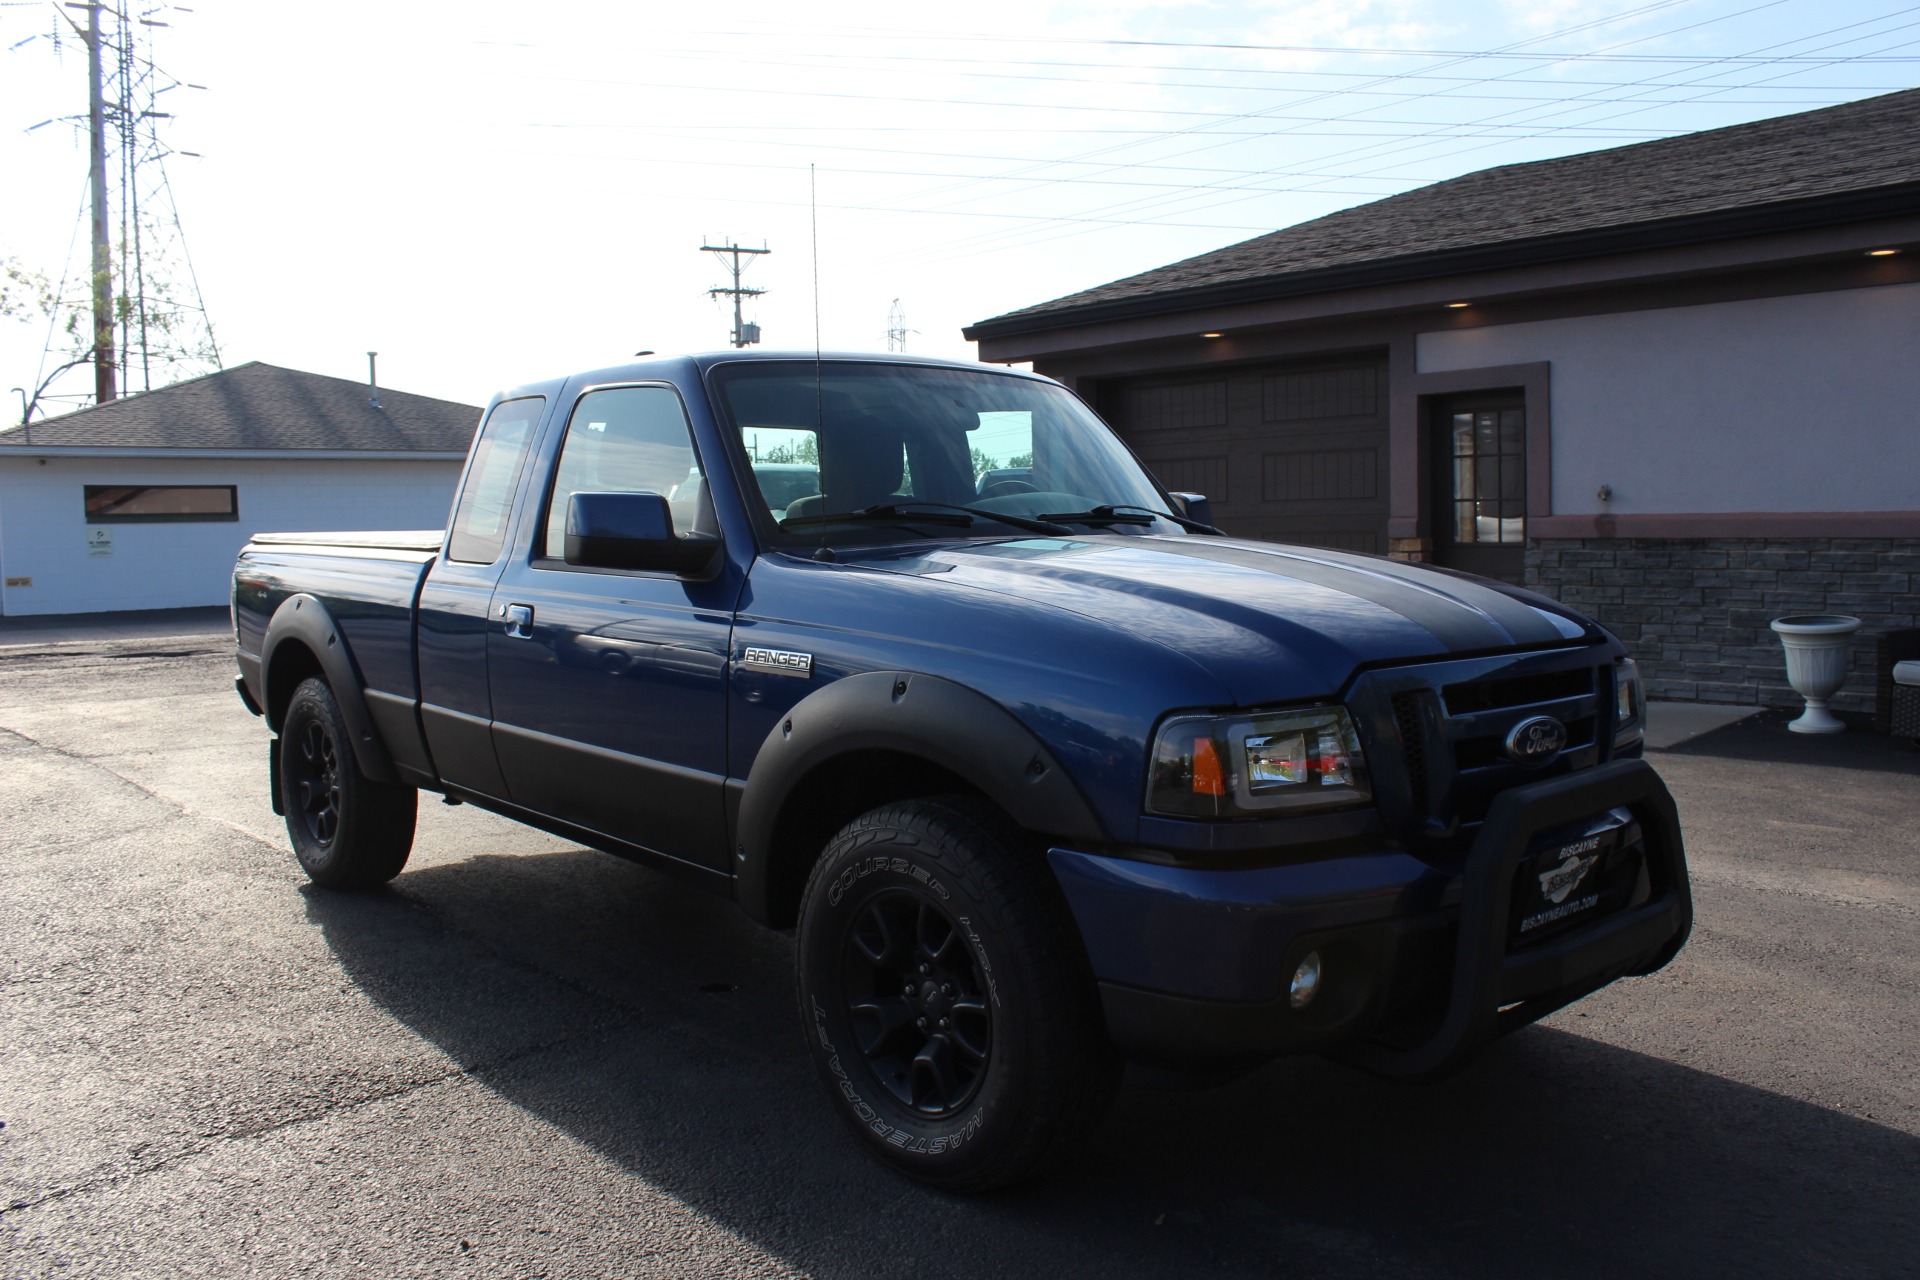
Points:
(634, 531)
(1194, 506)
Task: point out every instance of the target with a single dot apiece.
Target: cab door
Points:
(451, 635)
(609, 686)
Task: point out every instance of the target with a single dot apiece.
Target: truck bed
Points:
(427, 540)
(368, 582)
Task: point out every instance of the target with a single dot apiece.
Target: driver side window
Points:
(627, 440)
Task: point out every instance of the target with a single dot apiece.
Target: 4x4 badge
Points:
(1536, 740)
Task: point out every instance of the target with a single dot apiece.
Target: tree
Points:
(24, 293)
(26, 296)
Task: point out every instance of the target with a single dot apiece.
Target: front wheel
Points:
(349, 831)
(946, 998)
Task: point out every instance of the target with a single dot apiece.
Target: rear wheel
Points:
(946, 997)
(349, 831)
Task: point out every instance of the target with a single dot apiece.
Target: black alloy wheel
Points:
(348, 830)
(948, 1002)
(917, 1002)
(315, 774)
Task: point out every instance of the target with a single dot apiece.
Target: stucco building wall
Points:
(1809, 403)
(43, 524)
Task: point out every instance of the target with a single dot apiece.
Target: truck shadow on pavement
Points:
(656, 1024)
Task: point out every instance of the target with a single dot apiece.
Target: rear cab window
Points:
(478, 530)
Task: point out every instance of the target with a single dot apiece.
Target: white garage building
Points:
(144, 502)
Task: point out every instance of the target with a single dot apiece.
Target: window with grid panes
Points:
(1489, 475)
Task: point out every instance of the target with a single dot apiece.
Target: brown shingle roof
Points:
(1856, 147)
(261, 406)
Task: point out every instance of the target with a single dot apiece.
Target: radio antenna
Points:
(823, 552)
(813, 216)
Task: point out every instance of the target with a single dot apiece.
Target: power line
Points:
(881, 33)
(1176, 205)
(811, 58)
(1385, 80)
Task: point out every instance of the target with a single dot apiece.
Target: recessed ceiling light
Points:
(1212, 335)
(1881, 253)
(1455, 306)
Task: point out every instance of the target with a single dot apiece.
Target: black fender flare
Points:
(304, 618)
(942, 722)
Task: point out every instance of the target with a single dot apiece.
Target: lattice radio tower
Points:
(133, 309)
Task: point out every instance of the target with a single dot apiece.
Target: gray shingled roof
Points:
(1864, 146)
(261, 406)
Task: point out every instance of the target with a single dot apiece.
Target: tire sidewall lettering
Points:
(864, 867)
(857, 874)
(869, 1117)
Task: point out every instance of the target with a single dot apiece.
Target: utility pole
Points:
(103, 345)
(148, 316)
(730, 255)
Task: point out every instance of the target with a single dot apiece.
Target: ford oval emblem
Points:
(1536, 741)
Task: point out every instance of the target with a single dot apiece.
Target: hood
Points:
(1271, 622)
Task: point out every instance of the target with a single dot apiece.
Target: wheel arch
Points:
(303, 640)
(877, 737)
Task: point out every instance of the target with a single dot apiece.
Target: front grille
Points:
(1518, 691)
(1490, 751)
(1438, 733)
(1406, 715)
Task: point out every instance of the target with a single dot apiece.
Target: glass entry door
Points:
(1480, 473)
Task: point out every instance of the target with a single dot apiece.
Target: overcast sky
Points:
(488, 193)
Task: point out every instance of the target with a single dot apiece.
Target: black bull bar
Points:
(1496, 990)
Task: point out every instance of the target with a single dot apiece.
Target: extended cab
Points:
(1048, 773)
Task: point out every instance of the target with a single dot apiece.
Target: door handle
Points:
(519, 620)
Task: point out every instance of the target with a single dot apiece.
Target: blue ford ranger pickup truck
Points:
(1046, 772)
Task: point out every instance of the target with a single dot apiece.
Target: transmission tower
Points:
(731, 257)
(897, 330)
(144, 314)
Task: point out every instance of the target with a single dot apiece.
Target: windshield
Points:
(866, 436)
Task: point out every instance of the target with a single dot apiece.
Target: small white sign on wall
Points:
(99, 540)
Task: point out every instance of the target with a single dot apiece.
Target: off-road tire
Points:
(348, 831)
(931, 933)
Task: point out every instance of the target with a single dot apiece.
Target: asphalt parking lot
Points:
(526, 1059)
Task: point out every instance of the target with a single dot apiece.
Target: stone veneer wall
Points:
(1695, 610)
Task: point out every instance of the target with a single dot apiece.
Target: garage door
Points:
(1287, 453)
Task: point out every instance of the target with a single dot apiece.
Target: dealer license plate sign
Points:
(1562, 876)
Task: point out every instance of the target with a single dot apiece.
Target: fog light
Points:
(1306, 981)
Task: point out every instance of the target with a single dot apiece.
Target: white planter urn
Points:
(1818, 646)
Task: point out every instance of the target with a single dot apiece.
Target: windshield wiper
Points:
(936, 513)
(1128, 513)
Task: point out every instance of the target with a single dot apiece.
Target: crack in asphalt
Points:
(473, 1071)
(1755, 880)
(628, 1015)
(94, 762)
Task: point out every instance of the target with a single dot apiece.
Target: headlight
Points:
(1254, 766)
(1628, 703)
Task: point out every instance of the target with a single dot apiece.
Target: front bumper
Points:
(1417, 962)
